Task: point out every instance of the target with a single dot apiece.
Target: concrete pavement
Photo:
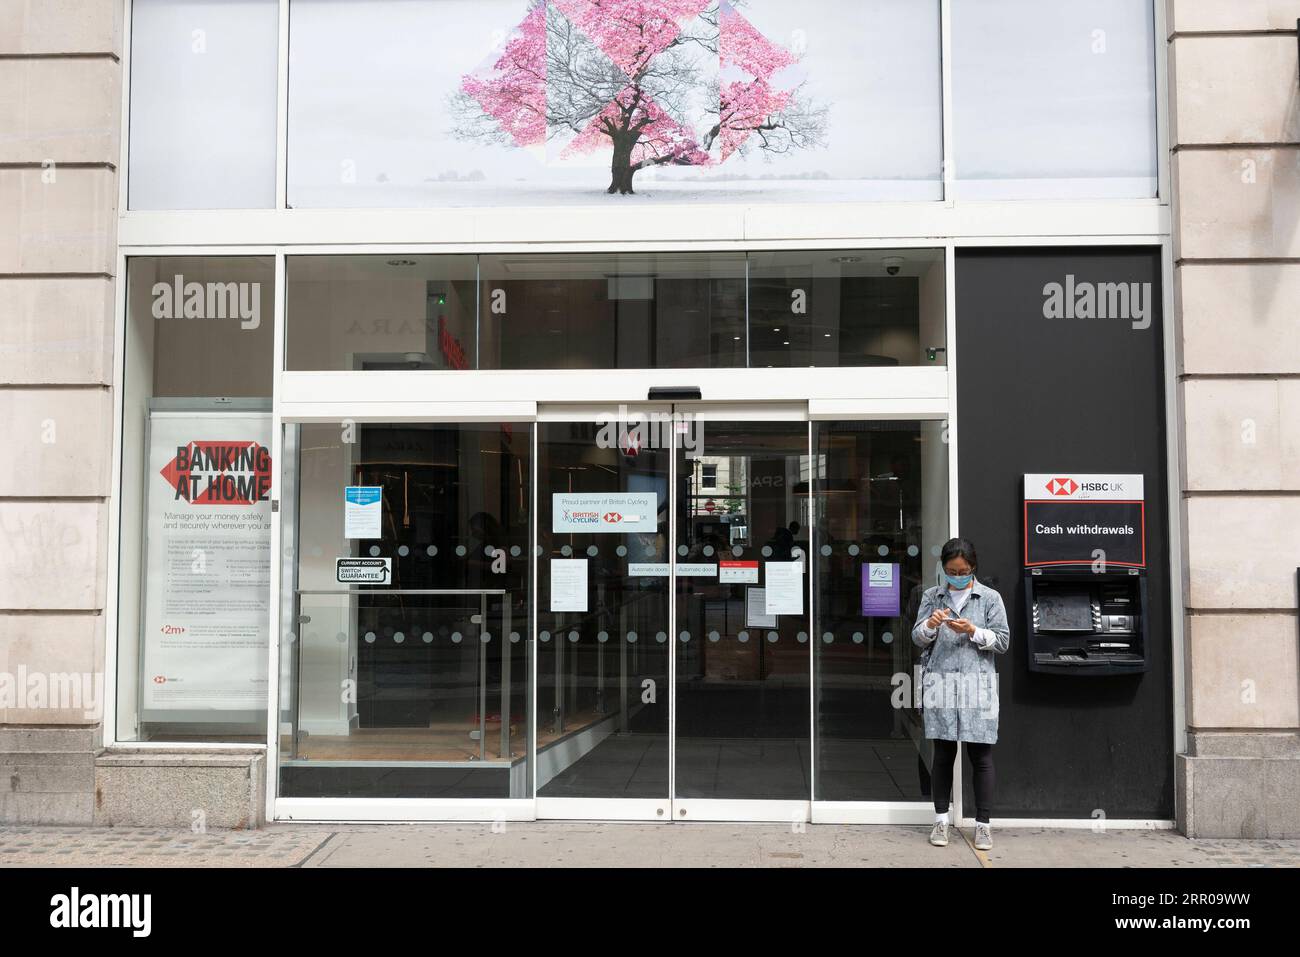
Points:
(583, 844)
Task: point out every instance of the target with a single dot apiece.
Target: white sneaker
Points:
(983, 837)
(939, 834)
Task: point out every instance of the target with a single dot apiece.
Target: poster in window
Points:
(207, 564)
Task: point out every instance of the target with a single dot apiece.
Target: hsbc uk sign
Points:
(1081, 487)
(1080, 519)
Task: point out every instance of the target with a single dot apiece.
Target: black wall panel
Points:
(1039, 394)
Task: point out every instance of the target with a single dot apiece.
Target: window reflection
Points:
(824, 308)
(613, 311)
(846, 308)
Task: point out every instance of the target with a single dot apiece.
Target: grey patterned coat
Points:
(959, 685)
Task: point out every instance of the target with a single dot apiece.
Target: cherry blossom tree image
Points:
(653, 82)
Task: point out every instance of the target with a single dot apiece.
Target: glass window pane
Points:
(846, 308)
(430, 103)
(380, 312)
(608, 311)
(1054, 98)
(882, 517)
(193, 619)
(410, 680)
(203, 104)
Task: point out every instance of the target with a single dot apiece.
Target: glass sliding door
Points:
(881, 507)
(656, 612)
(742, 619)
(603, 618)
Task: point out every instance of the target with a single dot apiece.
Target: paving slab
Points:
(615, 845)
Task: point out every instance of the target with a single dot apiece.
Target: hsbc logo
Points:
(1062, 486)
(613, 518)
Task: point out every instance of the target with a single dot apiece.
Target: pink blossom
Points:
(513, 90)
(631, 32)
(746, 107)
(743, 46)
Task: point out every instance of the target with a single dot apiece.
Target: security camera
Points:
(893, 265)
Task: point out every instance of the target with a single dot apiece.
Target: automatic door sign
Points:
(363, 571)
(604, 512)
(1079, 519)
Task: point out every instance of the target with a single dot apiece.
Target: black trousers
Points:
(981, 759)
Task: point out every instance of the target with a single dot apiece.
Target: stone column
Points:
(60, 71)
(1235, 137)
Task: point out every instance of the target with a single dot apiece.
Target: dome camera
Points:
(893, 264)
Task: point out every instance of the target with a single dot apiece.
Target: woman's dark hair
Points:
(958, 548)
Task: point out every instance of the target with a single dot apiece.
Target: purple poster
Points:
(880, 590)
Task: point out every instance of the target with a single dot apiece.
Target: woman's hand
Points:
(936, 619)
(962, 626)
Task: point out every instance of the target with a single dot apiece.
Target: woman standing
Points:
(962, 624)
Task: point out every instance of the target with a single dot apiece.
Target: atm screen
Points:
(1064, 610)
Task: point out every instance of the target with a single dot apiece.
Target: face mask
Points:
(959, 581)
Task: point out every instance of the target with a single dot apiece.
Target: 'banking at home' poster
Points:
(207, 562)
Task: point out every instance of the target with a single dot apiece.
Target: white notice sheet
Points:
(784, 588)
(755, 616)
(568, 584)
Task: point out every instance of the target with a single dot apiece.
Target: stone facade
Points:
(1235, 138)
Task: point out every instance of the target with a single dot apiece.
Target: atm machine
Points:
(1085, 574)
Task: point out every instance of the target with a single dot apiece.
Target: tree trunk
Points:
(620, 168)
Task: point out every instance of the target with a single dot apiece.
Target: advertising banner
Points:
(604, 512)
(207, 563)
(557, 102)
